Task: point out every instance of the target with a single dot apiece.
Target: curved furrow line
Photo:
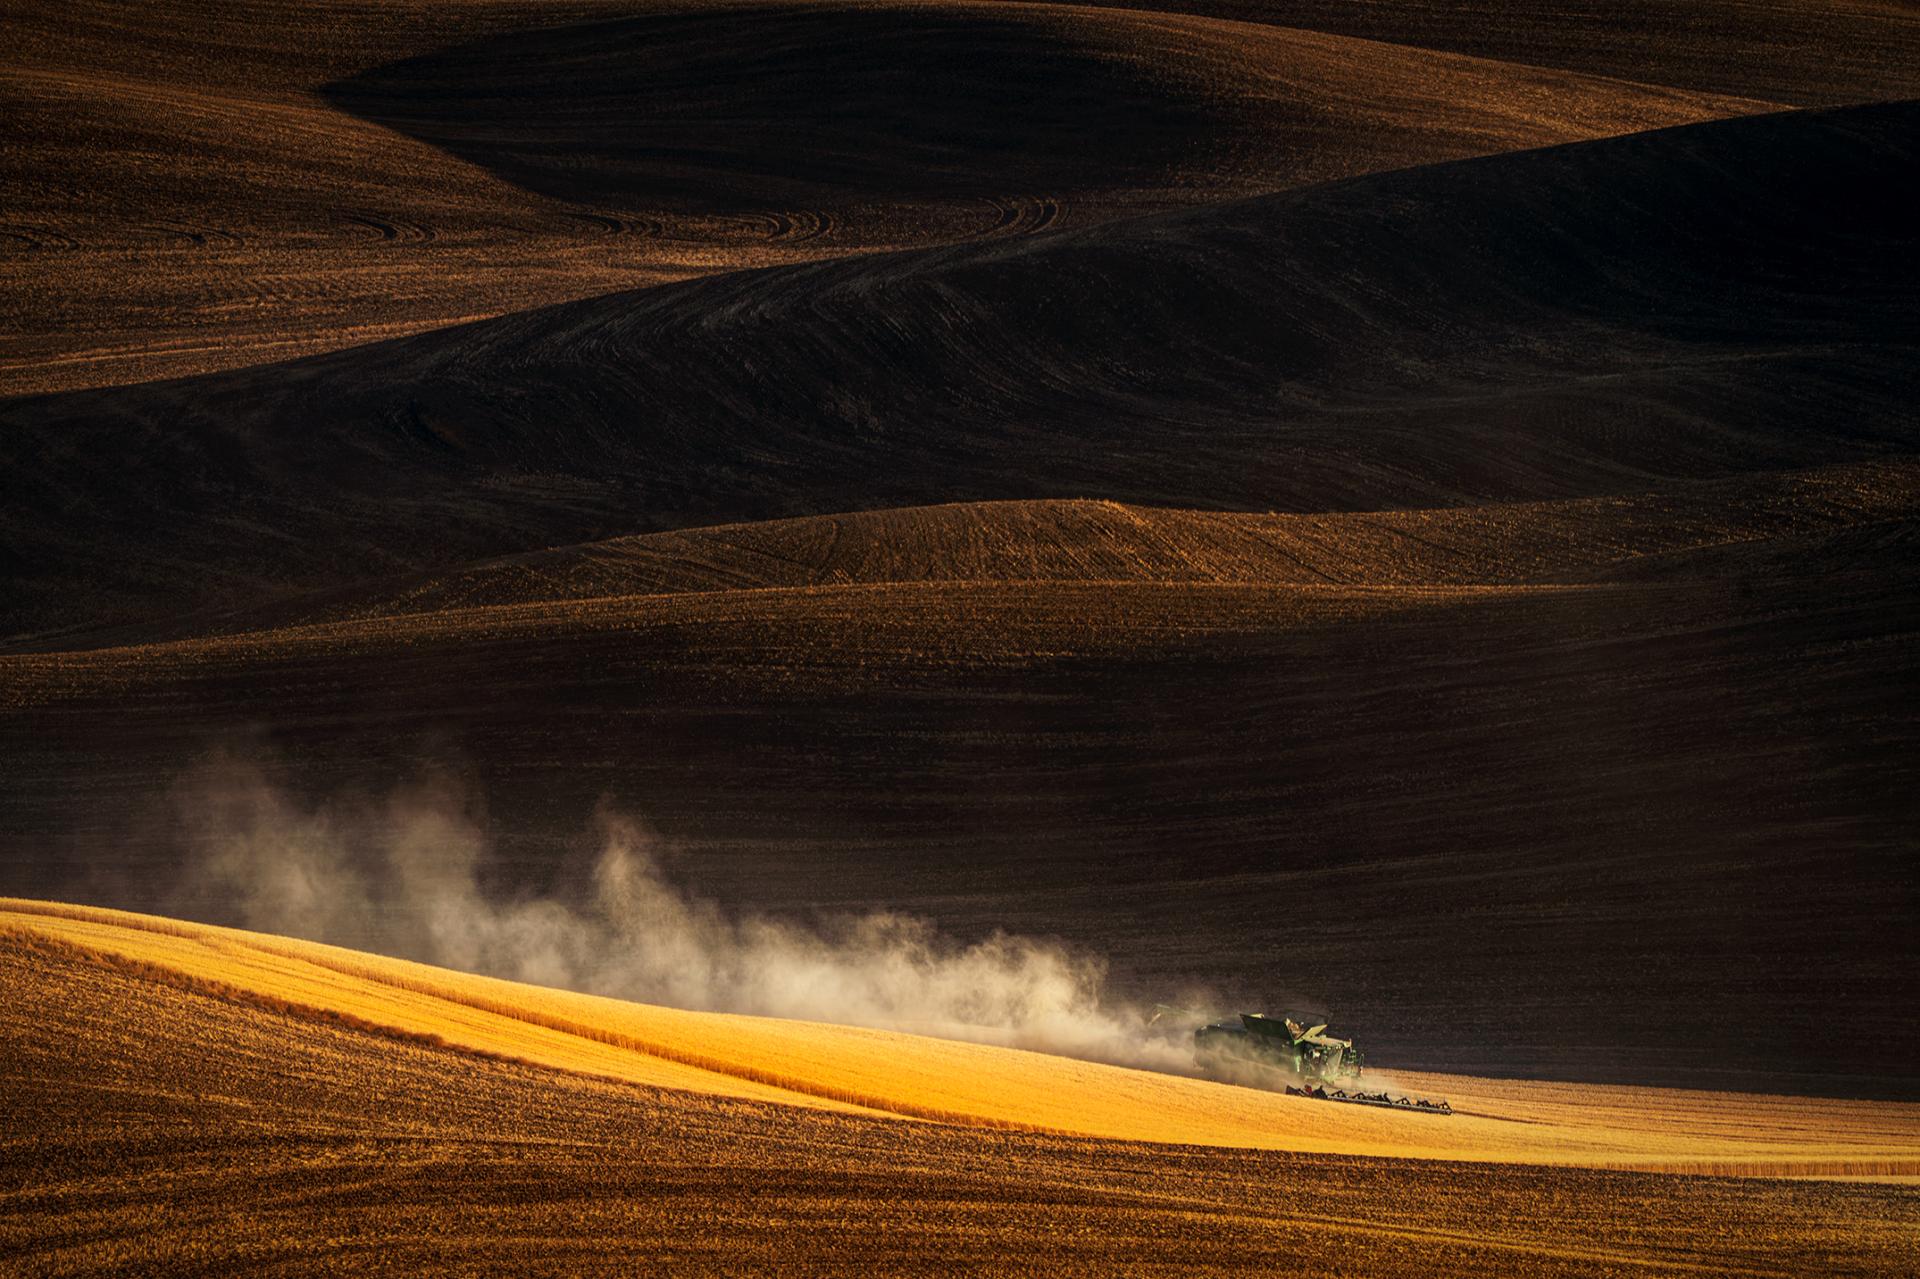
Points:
(1021, 215)
(37, 236)
(803, 225)
(199, 237)
(388, 228)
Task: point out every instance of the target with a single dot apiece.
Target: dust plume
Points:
(406, 875)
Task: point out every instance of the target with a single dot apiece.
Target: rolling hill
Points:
(1682, 304)
(1801, 52)
(221, 185)
(235, 1076)
(1544, 776)
(1671, 533)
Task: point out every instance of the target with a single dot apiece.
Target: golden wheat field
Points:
(234, 1072)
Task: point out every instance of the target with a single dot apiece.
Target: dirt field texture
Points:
(229, 1077)
(221, 185)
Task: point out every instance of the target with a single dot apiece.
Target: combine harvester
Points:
(1299, 1056)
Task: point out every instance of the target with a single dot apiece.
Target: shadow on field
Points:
(705, 112)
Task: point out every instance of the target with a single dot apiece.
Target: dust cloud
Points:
(406, 875)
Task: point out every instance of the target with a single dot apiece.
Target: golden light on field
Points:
(178, 1094)
(916, 1077)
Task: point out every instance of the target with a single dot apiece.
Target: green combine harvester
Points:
(1295, 1053)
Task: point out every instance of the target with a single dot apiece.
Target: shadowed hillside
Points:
(786, 109)
(861, 110)
(223, 184)
(1696, 302)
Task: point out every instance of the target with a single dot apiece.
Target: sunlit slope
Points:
(1805, 52)
(192, 186)
(823, 637)
(1208, 565)
(1023, 583)
(1680, 532)
(156, 1124)
(1598, 318)
(811, 1064)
